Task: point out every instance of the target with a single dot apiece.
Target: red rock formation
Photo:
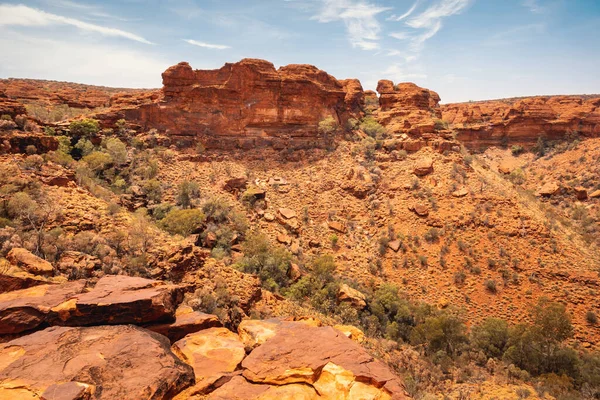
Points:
(249, 104)
(408, 108)
(523, 121)
(53, 93)
(103, 362)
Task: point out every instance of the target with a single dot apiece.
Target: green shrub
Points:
(591, 317)
(372, 128)
(490, 285)
(491, 337)
(182, 222)
(328, 126)
(152, 190)
(84, 147)
(444, 332)
(440, 125)
(98, 161)
(516, 150)
(186, 192)
(84, 127)
(117, 150)
(270, 262)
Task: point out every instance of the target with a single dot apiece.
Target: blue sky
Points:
(463, 49)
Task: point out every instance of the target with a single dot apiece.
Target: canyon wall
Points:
(523, 121)
(250, 104)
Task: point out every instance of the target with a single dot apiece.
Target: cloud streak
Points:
(396, 18)
(359, 17)
(21, 15)
(533, 6)
(207, 45)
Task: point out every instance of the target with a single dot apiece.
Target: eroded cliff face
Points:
(407, 108)
(250, 104)
(522, 121)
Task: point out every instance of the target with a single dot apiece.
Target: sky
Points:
(463, 49)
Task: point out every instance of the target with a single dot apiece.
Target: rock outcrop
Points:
(408, 108)
(523, 121)
(249, 104)
(104, 362)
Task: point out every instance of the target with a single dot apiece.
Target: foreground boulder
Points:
(114, 300)
(31, 263)
(106, 362)
(26, 309)
(186, 321)
(121, 299)
(323, 358)
(15, 278)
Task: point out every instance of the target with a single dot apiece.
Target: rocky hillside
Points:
(523, 121)
(265, 232)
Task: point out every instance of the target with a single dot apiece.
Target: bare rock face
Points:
(186, 321)
(26, 309)
(105, 362)
(121, 299)
(114, 300)
(408, 108)
(249, 104)
(31, 263)
(15, 278)
(355, 298)
(322, 358)
(523, 121)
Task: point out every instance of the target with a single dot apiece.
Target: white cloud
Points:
(21, 15)
(397, 73)
(396, 18)
(207, 45)
(400, 35)
(360, 18)
(70, 59)
(430, 20)
(533, 6)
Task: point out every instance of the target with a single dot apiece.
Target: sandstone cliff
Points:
(522, 121)
(250, 103)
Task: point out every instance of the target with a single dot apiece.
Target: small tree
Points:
(84, 127)
(186, 192)
(117, 150)
(328, 126)
(182, 222)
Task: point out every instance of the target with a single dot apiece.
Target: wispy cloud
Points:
(534, 6)
(395, 17)
(516, 34)
(360, 18)
(398, 73)
(207, 45)
(21, 15)
(426, 24)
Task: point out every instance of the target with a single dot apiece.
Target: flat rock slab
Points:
(114, 300)
(15, 278)
(105, 362)
(26, 309)
(320, 357)
(31, 263)
(186, 321)
(211, 352)
(120, 299)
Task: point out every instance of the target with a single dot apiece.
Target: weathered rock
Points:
(595, 194)
(522, 121)
(423, 167)
(235, 185)
(31, 263)
(548, 189)
(239, 388)
(287, 213)
(337, 226)
(211, 353)
(121, 299)
(254, 332)
(408, 108)
(355, 298)
(15, 278)
(420, 209)
(107, 362)
(351, 332)
(26, 309)
(186, 321)
(299, 354)
(246, 104)
(395, 245)
(460, 192)
(76, 261)
(581, 193)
